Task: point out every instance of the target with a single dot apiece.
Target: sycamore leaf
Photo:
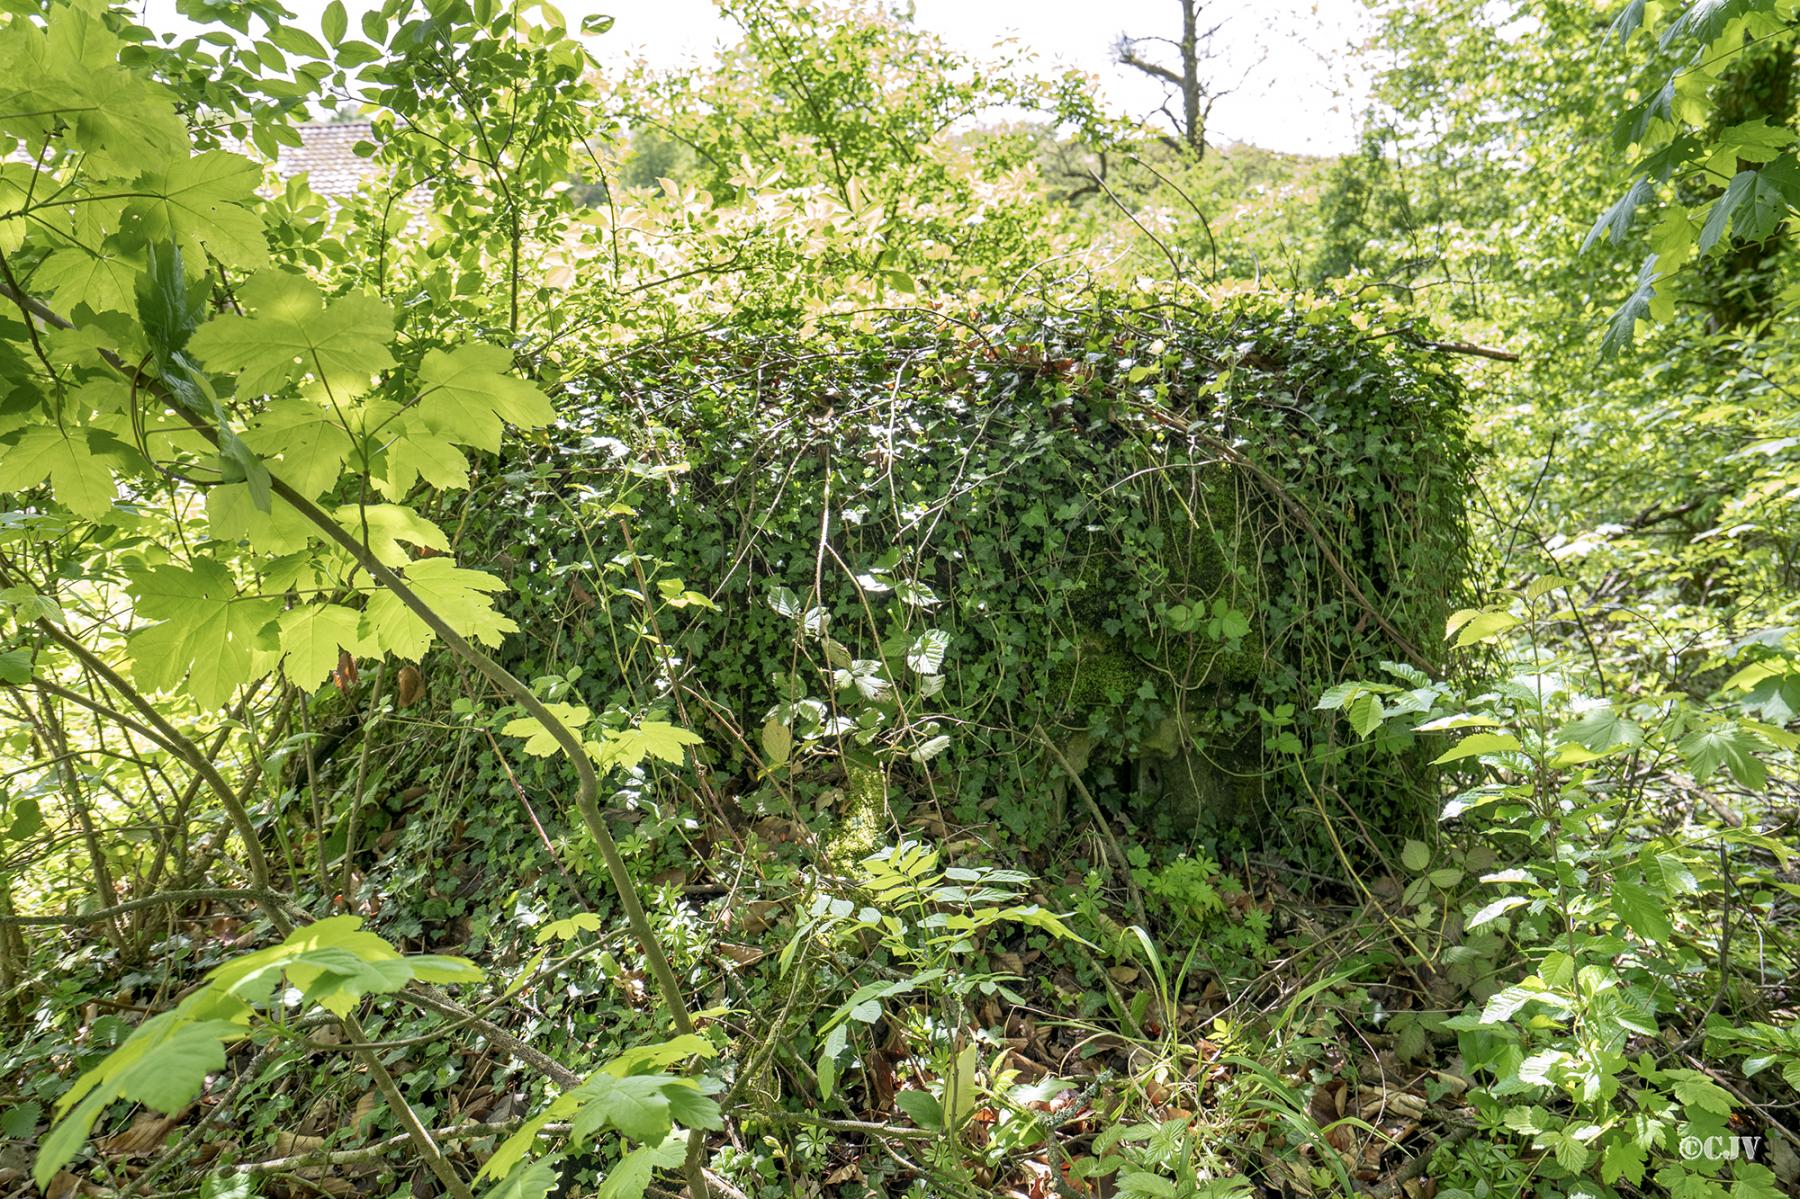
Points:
(205, 204)
(539, 742)
(1624, 1159)
(1695, 1090)
(634, 1104)
(1741, 186)
(382, 527)
(1602, 728)
(533, 1180)
(627, 748)
(232, 515)
(455, 594)
(569, 928)
(1729, 745)
(208, 633)
(1636, 307)
(311, 637)
(413, 450)
(630, 1179)
(77, 463)
(164, 1063)
(70, 72)
(1752, 1180)
(335, 962)
(1615, 222)
(660, 1055)
(310, 444)
(104, 282)
(466, 394)
(294, 333)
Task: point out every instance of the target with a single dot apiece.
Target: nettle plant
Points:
(1623, 912)
(229, 475)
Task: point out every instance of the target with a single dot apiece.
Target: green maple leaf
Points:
(334, 962)
(1729, 745)
(69, 71)
(78, 463)
(104, 282)
(1753, 1181)
(208, 635)
(309, 445)
(1623, 1159)
(382, 527)
(1695, 1090)
(205, 203)
(651, 739)
(531, 1181)
(413, 450)
(164, 1063)
(311, 637)
(539, 742)
(630, 1179)
(466, 394)
(232, 515)
(635, 1105)
(455, 594)
(1601, 728)
(293, 334)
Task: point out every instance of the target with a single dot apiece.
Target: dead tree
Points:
(1196, 94)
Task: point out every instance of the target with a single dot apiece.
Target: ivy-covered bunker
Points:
(939, 554)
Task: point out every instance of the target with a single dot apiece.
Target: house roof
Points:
(325, 156)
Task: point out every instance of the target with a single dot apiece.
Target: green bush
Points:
(1149, 534)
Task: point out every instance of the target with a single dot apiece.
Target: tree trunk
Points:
(1193, 123)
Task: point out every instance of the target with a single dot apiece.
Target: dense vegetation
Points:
(851, 623)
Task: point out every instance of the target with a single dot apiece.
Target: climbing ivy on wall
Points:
(1150, 533)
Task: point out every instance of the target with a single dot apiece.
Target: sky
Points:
(1300, 88)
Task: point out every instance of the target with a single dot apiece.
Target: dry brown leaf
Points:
(146, 1134)
(292, 1144)
(846, 1173)
(754, 917)
(410, 686)
(742, 955)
